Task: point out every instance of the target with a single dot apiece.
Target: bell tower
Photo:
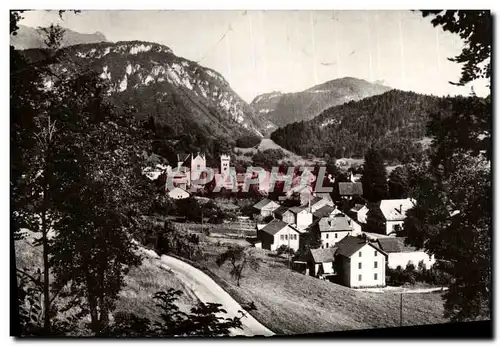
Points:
(224, 165)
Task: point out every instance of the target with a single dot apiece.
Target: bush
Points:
(411, 274)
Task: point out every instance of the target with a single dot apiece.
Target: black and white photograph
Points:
(258, 173)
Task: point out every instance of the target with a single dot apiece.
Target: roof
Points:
(349, 245)
(324, 211)
(395, 209)
(350, 189)
(297, 210)
(316, 200)
(263, 203)
(324, 255)
(357, 207)
(177, 190)
(334, 224)
(395, 244)
(275, 226)
(281, 210)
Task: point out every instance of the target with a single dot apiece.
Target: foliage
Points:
(204, 320)
(375, 220)
(239, 258)
(374, 177)
(268, 158)
(398, 183)
(247, 141)
(412, 274)
(475, 29)
(394, 122)
(285, 250)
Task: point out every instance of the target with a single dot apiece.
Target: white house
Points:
(285, 215)
(400, 254)
(333, 229)
(318, 202)
(394, 211)
(277, 233)
(360, 263)
(266, 207)
(178, 193)
(303, 217)
(359, 212)
(321, 262)
(326, 211)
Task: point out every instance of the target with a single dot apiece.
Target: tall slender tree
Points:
(374, 177)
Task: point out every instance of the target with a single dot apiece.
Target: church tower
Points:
(224, 165)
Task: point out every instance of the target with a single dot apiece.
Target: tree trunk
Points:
(46, 283)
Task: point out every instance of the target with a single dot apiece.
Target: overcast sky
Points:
(262, 51)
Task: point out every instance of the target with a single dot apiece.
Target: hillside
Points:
(182, 99)
(394, 121)
(28, 37)
(283, 109)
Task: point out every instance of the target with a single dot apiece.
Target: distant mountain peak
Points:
(28, 37)
(282, 109)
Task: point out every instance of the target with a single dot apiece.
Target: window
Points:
(359, 265)
(326, 244)
(327, 236)
(282, 237)
(336, 235)
(286, 236)
(359, 277)
(375, 276)
(375, 253)
(198, 167)
(375, 264)
(360, 254)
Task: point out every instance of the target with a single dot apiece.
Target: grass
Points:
(141, 283)
(291, 303)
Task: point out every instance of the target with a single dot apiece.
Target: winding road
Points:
(207, 290)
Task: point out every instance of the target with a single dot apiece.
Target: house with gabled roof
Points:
(400, 254)
(359, 213)
(347, 190)
(266, 207)
(318, 202)
(333, 229)
(302, 216)
(284, 214)
(394, 211)
(326, 211)
(321, 262)
(277, 233)
(360, 263)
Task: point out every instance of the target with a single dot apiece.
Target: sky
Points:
(290, 51)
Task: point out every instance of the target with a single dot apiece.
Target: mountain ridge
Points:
(286, 108)
(31, 38)
(184, 98)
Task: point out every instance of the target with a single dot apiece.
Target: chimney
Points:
(401, 209)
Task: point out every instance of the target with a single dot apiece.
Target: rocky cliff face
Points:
(178, 93)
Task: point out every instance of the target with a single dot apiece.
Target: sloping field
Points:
(291, 303)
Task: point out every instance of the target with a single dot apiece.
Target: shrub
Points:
(247, 141)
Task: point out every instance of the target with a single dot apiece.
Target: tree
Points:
(239, 258)
(398, 184)
(375, 220)
(374, 177)
(452, 218)
(35, 180)
(474, 27)
(204, 320)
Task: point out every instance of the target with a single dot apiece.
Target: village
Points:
(327, 241)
